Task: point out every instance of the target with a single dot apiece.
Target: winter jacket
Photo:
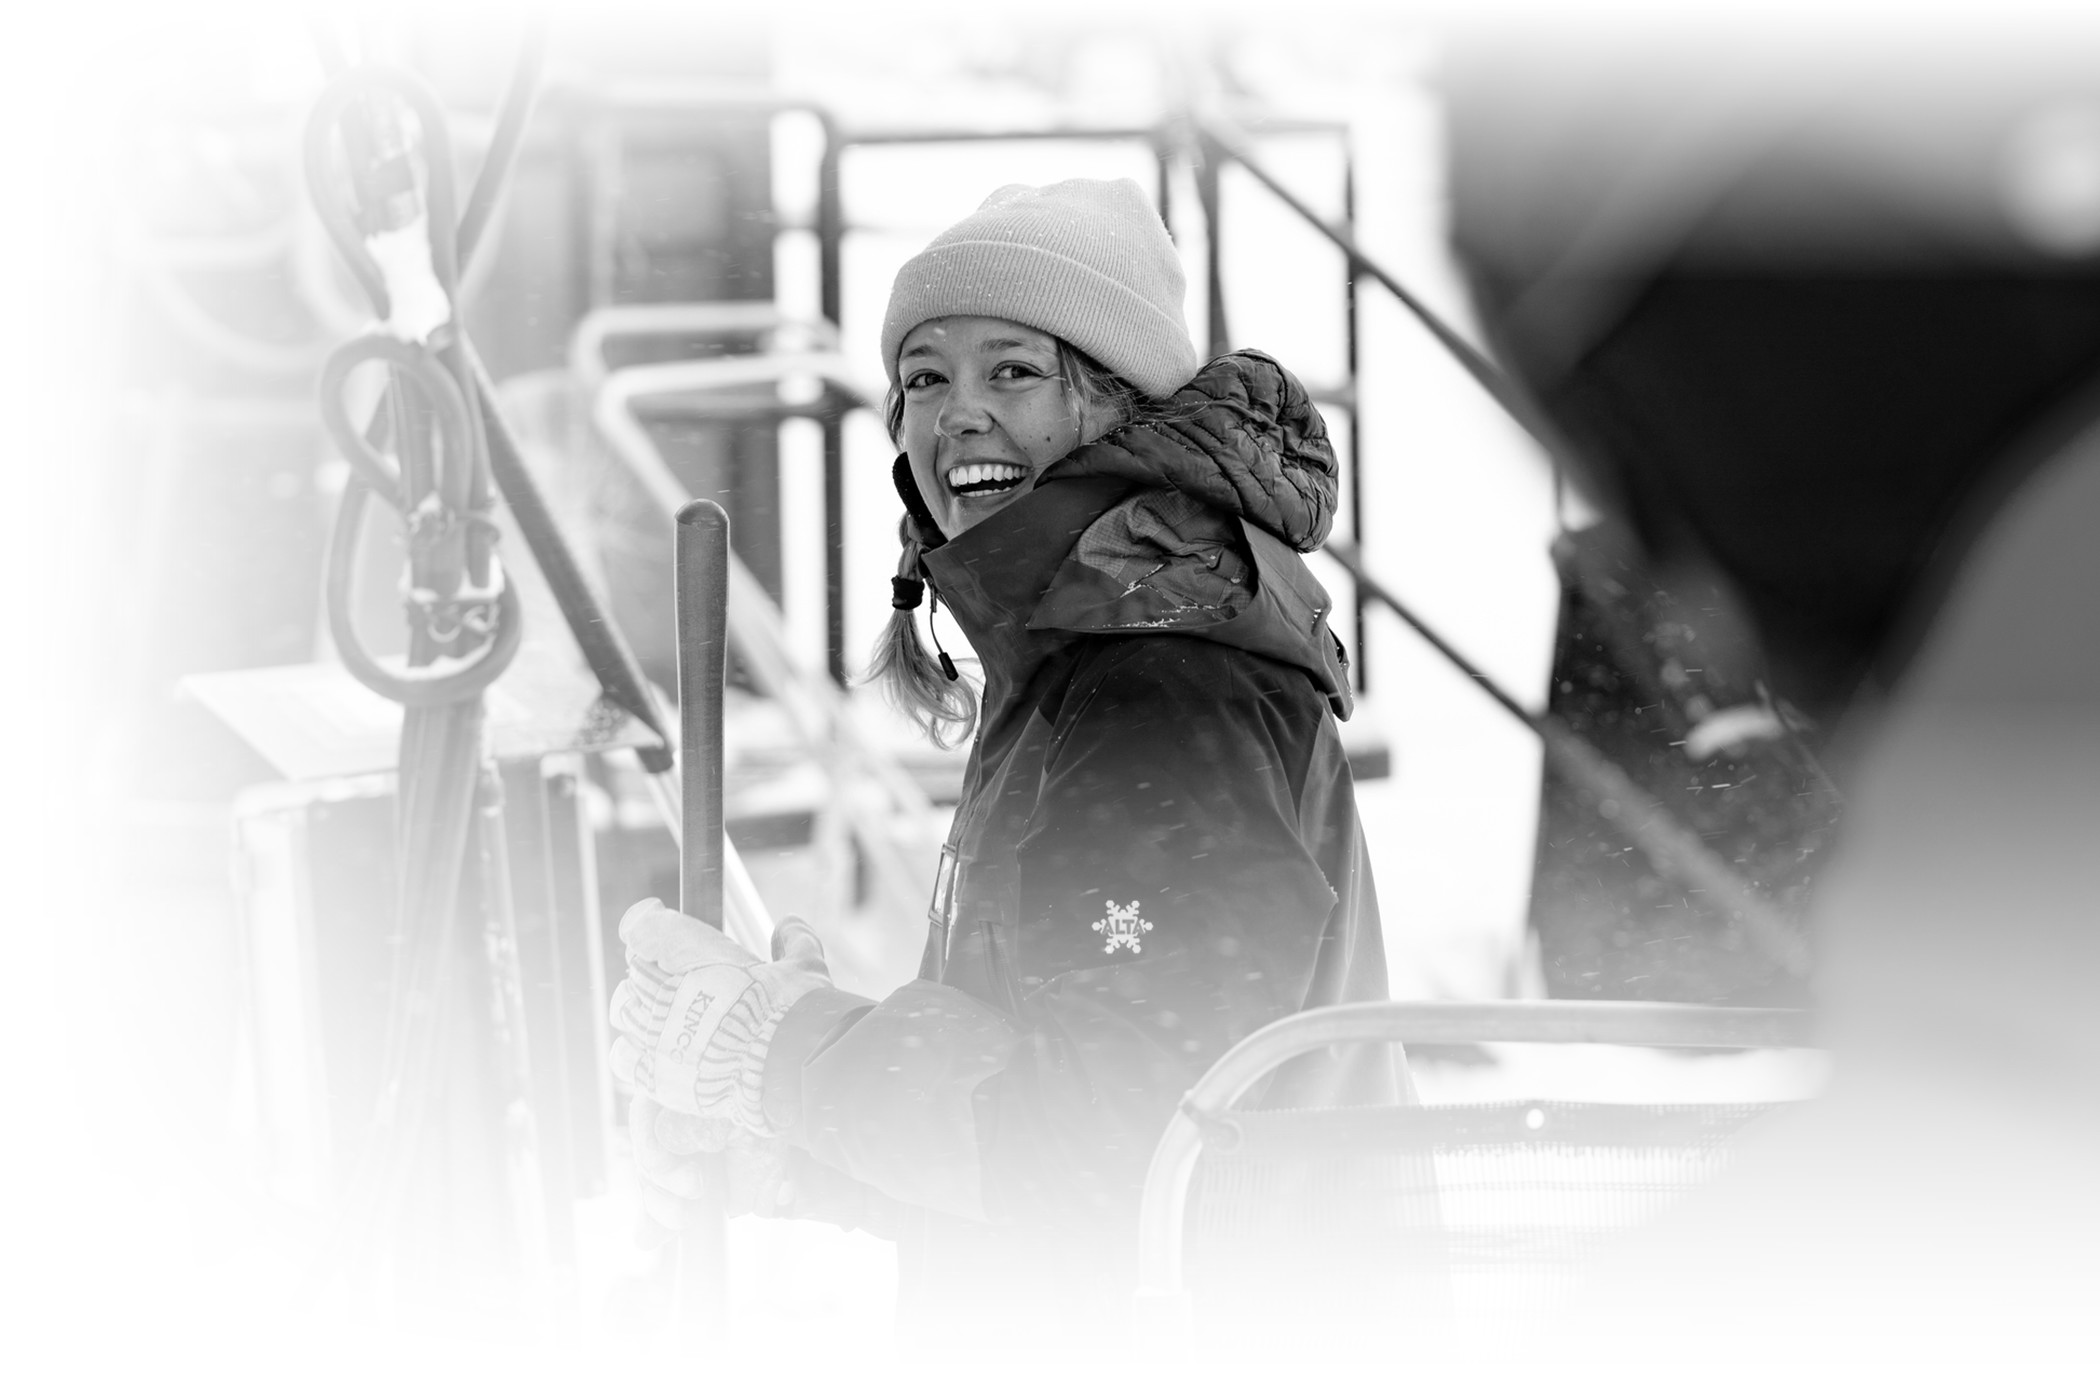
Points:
(1156, 850)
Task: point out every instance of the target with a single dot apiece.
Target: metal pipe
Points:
(1353, 337)
(494, 175)
(608, 323)
(745, 917)
(1673, 850)
(831, 222)
(1160, 1224)
(1163, 168)
(701, 587)
(589, 617)
(835, 548)
(942, 136)
(1483, 370)
(729, 372)
(831, 238)
(1212, 199)
(1369, 587)
(936, 136)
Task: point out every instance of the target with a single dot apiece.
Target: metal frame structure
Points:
(756, 630)
(1209, 142)
(1162, 1296)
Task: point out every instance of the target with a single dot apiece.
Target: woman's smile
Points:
(985, 478)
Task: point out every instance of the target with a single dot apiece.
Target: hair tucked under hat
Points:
(1087, 261)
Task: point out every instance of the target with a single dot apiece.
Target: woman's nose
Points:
(962, 411)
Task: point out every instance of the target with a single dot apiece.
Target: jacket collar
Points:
(992, 576)
(1011, 585)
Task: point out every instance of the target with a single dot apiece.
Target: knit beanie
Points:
(1087, 261)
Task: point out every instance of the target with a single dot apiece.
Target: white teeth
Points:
(978, 472)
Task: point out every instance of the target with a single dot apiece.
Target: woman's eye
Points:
(921, 379)
(1017, 371)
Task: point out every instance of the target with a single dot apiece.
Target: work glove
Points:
(696, 1013)
(691, 1168)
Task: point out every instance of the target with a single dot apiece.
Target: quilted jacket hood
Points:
(1243, 437)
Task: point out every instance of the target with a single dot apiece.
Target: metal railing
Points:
(1162, 1218)
(858, 766)
(1672, 848)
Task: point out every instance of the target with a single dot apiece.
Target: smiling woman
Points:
(1156, 851)
(981, 406)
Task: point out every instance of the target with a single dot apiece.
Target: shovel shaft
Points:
(701, 585)
(703, 653)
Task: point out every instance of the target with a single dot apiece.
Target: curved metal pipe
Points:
(1216, 138)
(1161, 1290)
(607, 323)
(1628, 806)
(494, 175)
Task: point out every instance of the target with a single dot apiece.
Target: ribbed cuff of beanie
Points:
(1087, 261)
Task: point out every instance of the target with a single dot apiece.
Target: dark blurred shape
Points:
(1825, 319)
(1800, 311)
(1803, 314)
(1665, 683)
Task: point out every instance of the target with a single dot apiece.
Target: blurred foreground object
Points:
(1662, 683)
(1823, 327)
(1796, 311)
(1782, 301)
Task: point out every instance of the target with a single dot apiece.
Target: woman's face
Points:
(985, 410)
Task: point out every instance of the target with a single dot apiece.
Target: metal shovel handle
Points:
(701, 588)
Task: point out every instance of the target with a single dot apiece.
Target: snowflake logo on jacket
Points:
(1122, 926)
